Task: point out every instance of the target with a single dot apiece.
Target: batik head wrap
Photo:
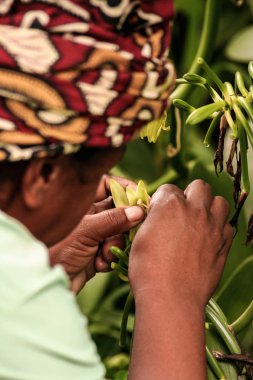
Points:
(76, 73)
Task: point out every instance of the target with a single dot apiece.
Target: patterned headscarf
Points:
(76, 73)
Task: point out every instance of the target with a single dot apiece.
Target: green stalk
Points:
(120, 254)
(224, 331)
(119, 268)
(250, 69)
(231, 123)
(244, 320)
(213, 304)
(239, 83)
(246, 106)
(126, 311)
(183, 105)
(206, 46)
(244, 159)
(211, 129)
(243, 121)
(195, 79)
(215, 366)
(211, 74)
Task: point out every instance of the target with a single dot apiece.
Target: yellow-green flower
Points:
(153, 129)
(130, 197)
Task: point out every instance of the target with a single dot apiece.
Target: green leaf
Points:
(239, 48)
(204, 112)
(237, 292)
(215, 343)
(138, 161)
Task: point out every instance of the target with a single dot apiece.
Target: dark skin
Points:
(176, 260)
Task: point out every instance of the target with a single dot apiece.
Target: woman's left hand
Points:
(87, 249)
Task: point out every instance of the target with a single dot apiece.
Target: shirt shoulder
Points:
(41, 326)
(24, 264)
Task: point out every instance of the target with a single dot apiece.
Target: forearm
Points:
(169, 341)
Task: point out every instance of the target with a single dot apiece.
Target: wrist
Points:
(172, 302)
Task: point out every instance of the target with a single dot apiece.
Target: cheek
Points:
(74, 207)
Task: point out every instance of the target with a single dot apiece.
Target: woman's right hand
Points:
(182, 246)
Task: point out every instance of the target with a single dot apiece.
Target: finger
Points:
(101, 265)
(101, 206)
(199, 193)
(220, 210)
(103, 190)
(116, 241)
(228, 240)
(99, 227)
(164, 192)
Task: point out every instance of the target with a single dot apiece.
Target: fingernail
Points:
(134, 213)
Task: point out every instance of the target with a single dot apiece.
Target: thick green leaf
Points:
(240, 47)
(237, 292)
(138, 161)
(215, 343)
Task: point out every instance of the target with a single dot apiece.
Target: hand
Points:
(87, 249)
(181, 247)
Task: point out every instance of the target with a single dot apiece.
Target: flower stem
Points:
(244, 320)
(213, 304)
(126, 311)
(213, 363)
(243, 150)
(243, 122)
(206, 46)
(211, 129)
(224, 331)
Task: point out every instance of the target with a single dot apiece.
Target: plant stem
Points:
(243, 150)
(244, 320)
(211, 129)
(125, 315)
(216, 368)
(206, 45)
(243, 122)
(217, 310)
(224, 331)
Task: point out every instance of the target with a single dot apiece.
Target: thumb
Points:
(99, 227)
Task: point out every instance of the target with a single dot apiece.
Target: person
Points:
(76, 80)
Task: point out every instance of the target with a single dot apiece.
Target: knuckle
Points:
(199, 182)
(165, 193)
(165, 189)
(222, 202)
(174, 199)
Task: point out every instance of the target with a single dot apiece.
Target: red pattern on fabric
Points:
(94, 59)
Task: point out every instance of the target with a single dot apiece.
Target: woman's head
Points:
(50, 195)
(85, 74)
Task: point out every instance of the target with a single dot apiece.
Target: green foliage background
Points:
(103, 298)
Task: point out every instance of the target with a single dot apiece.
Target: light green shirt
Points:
(42, 332)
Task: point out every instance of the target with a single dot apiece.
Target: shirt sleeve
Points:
(43, 334)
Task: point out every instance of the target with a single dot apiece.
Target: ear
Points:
(38, 180)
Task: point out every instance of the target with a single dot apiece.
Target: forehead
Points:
(97, 161)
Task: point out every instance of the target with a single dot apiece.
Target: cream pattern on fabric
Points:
(68, 68)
